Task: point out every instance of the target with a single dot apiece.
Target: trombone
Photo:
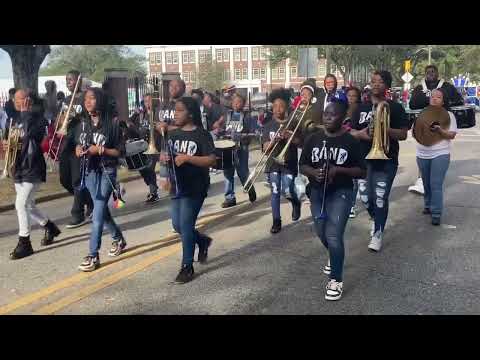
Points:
(268, 154)
(13, 146)
(380, 138)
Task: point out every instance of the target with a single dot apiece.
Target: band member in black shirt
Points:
(421, 99)
(375, 190)
(29, 170)
(281, 177)
(331, 188)
(239, 128)
(176, 89)
(193, 152)
(99, 145)
(215, 115)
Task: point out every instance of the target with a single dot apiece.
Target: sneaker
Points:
(353, 213)
(334, 290)
(185, 275)
(296, 210)
(23, 248)
(51, 232)
(117, 247)
(229, 203)
(90, 263)
(252, 195)
(327, 269)
(152, 198)
(74, 223)
(203, 250)
(277, 226)
(417, 187)
(435, 220)
(376, 242)
(372, 228)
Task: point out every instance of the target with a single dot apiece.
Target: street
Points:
(421, 269)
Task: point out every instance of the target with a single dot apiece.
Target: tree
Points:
(92, 60)
(26, 61)
(210, 76)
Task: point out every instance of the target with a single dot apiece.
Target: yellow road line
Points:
(110, 280)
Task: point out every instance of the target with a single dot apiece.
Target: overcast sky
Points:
(6, 65)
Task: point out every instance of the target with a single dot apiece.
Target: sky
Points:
(6, 65)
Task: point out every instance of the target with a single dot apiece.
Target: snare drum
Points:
(465, 115)
(224, 151)
(134, 155)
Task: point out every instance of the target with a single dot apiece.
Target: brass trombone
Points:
(152, 150)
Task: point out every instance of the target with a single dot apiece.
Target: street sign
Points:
(407, 77)
(408, 65)
(307, 62)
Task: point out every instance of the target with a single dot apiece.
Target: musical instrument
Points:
(152, 150)
(13, 147)
(225, 154)
(171, 179)
(465, 116)
(326, 168)
(379, 125)
(135, 155)
(267, 155)
(422, 128)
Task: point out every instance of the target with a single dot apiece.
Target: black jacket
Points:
(30, 164)
(420, 100)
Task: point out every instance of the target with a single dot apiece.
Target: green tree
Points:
(92, 60)
(210, 76)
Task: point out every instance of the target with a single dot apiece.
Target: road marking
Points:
(110, 280)
(474, 179)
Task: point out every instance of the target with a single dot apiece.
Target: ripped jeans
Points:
(375, 190)
(281, 183)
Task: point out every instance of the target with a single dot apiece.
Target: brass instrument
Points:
(13, 147)
(381, 139)
(268, 153)
(152, 150)
(431, 115)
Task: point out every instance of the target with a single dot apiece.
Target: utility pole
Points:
(429, 54)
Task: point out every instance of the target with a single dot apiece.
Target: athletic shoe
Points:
(435, 220)
(23, 248)
(334, 290)
(376, 242)
(203, 250)
(417, 187)
(229, 203)
(74, 223)
(90, 263)
(185, 275)
(327, 269)
(252, 195)
(117, 247)
(152, 198)
(372, 228)
(353, 213)
(296, 210)
(277, 226)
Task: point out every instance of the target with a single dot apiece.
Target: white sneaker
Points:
(417, 188)
(334, 290)
(376, 242)
(327, 269)
(353, 213)
(372, 227)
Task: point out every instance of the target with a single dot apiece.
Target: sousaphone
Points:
(422, 129)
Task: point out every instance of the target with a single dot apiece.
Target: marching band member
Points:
(194, 152)
(329, 91)
(281, 178)
(215, 115)
(239, 127)
(176, 89)
(29, 172)
(330, 208)
(375, 190)
(98, 139)
(421, 99)
(434, 160)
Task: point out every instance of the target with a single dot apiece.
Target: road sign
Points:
(407, 77)
(408, 65)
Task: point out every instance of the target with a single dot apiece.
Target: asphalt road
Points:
(421, 269)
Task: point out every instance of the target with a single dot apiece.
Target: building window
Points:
(193, 76)
(168, 57)
(263, 53)
(245, 74)
(255, 74)
(238, 74)
(186, 77)
(185, 57)
(191, 57)
(244, 52)
(175, 57)
(281, 73)
(275, 74)
(293, 71)
(151, 57)
(333, 69)
(219, 55)
(226, 55)
(263, 74)
(201, 56)
(226, 75)
(255, 53)
(236, 54)
(158, 58)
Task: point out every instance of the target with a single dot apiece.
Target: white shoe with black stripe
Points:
(334, 290)
(327, 269)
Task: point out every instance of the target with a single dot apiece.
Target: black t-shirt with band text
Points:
(291, 166)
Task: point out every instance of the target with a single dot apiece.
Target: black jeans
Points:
(149, 175)
(80, 199)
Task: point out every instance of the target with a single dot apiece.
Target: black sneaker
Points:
(277, 226)
(435, 220)
(74, 223)
(51, 232)
(252, 195)
(23, 248)
(203, 250)
(90, 263)
(229, 203)
(152, 198)
(296, 210)
(117, 247)
(426, 211)
(185, 275)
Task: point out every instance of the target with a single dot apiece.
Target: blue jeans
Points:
(331, 229)
(184, 212)
(241, 165)
(433, 175)
(281, 183)
(100, 190)
(355, 192)
(375, 190)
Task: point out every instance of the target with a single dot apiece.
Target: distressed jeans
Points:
(375, 190)
(331, 229)
(241, 166)
(433, 175)
(281, 183)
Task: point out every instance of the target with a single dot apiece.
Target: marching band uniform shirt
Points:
(192, 180)
(167, 113)
(398, 120)
(421, 94)
(343, 151)
(291, 166)
(239, 123)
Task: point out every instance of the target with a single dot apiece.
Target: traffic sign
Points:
(408, 65)
(407, 77)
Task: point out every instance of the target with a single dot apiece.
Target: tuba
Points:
(379, 127)
(431, 115)
(13, 147)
